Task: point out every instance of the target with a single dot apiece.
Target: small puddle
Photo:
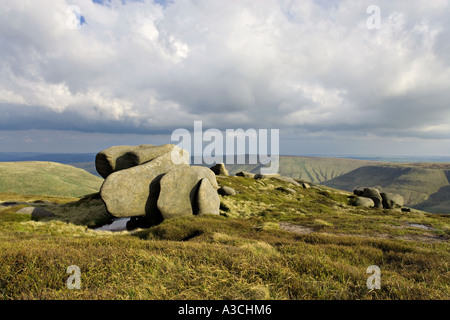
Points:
(119, 224)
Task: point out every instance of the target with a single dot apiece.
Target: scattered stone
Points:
(286, 190)
(358, 191)
(207, 198)
(36, 212)
(266, 176)
(245, 174)
(375, 195)
(226, 191)
(392, 200)
(9, 204)
(220, 170)
(179, 188)
(132, 192)
(287, 179)
(364, 202)
(305, 185)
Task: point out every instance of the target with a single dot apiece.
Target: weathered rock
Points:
(286, 190)
(392, 200)
(245, 174)
(287, 179)
(36, 212)
(134, 191)
(305, 185)
(358, 191)
(266, 176)
(375, 195)
(179, 187)
(226, 191)
(364, 202)
(207, 199)
(118, 158)
(220, 170)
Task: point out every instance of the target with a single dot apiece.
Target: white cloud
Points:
(311, 65)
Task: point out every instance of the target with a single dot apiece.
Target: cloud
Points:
(151, 67)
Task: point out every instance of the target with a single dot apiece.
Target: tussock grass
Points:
(242, 254)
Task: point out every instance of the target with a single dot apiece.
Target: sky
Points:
(334, 77)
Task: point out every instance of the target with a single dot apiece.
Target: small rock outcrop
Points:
(245, 174)
(373, 194)
(358, 191)
(226, 191)
(364, 202)
(220, 170)
(380, 200)
(266, 176)
(287, 179)
(392, 200)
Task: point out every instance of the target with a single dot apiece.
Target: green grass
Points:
(241, 254)
(46, 178)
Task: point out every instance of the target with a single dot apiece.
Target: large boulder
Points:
(134, 191)
(364, 202)
(392, 200)
(220, 170)
(375, 195)
(207, 199)
(179, 191)
(118, 158)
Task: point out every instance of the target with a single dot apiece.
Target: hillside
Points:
(423, 186)
(313, 169)
(272, 240)
(46, 178)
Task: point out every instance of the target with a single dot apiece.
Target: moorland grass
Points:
(241, 254)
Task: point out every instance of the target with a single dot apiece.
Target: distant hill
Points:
(424, 185)
(46, 178)
(64, 158)
(87, 166)
(313, 169)
(415, 182)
